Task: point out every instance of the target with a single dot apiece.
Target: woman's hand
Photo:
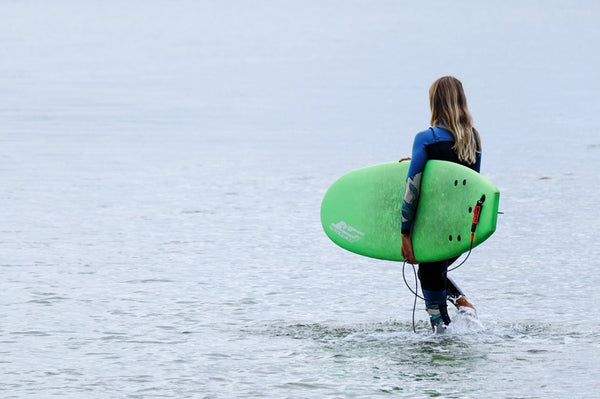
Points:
(407, 250)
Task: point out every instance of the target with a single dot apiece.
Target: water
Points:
(162, 166)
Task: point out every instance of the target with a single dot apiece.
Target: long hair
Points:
(449, 110)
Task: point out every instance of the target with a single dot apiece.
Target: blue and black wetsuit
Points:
(433, 143)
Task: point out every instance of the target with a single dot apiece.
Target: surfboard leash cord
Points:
(476, 214)
(475, 222)
(415, 293)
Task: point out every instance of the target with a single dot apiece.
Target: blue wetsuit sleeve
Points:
(413, 180)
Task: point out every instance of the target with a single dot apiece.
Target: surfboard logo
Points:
(349, 233)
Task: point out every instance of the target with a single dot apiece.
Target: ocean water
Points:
(162, 166)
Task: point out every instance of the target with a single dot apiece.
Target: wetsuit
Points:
(433, 143)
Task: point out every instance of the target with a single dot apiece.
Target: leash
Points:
(475, 222)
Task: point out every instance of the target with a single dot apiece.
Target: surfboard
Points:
(362, 211)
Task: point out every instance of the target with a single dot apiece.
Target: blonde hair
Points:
(449, 110)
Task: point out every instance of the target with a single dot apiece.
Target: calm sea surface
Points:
(161, 171)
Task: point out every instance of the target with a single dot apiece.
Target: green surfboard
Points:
(362, 211)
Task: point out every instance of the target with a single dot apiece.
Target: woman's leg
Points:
(457, 297)
(455, 294)
(433, 283)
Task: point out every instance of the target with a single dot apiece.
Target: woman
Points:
(452, 137)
